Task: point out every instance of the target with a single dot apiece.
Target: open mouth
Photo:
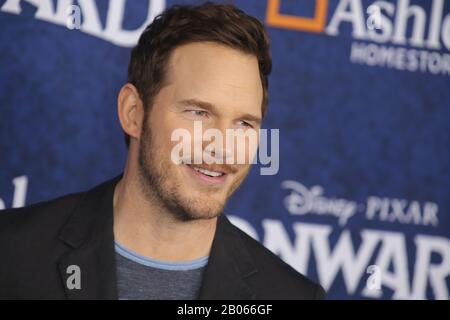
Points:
(207, 175)
(208, 172)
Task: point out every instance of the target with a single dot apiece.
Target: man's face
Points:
(220, 88)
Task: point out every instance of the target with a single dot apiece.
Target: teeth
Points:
(209, 173)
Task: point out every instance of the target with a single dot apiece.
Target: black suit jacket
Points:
(39, 242)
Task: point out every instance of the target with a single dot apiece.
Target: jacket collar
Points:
(229, 265)
(89, 234)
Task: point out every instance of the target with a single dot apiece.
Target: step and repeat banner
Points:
(360, 93)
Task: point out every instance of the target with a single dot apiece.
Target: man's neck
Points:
(147, 228)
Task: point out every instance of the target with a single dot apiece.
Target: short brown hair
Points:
(181, 24)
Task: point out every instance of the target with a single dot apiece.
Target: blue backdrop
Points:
(361, 202)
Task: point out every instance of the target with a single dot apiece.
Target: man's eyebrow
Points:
(198, 103)
(211, 107)
(251, 117)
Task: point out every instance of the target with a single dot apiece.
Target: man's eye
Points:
(245, 124)
(199, 113)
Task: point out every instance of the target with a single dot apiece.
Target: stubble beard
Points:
(157, 185)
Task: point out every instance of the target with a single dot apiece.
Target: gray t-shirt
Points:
(143, 278)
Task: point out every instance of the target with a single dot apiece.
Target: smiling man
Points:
(157, 231)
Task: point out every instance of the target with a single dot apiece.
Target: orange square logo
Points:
(315, 24)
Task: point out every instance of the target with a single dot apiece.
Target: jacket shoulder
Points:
(275, 278)
(40, 219)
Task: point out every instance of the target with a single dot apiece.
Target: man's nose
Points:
(222, 150)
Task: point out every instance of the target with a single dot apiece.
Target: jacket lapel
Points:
(229, 266)
(89, 234)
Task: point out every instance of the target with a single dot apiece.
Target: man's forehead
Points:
(215, 72)
(209, 58)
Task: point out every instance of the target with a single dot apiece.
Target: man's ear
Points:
(130, 109)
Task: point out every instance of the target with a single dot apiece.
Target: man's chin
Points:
(200, 208)
(205, 213)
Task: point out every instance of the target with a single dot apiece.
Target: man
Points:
(156, 231)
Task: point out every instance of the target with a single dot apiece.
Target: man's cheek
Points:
(240, 174)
